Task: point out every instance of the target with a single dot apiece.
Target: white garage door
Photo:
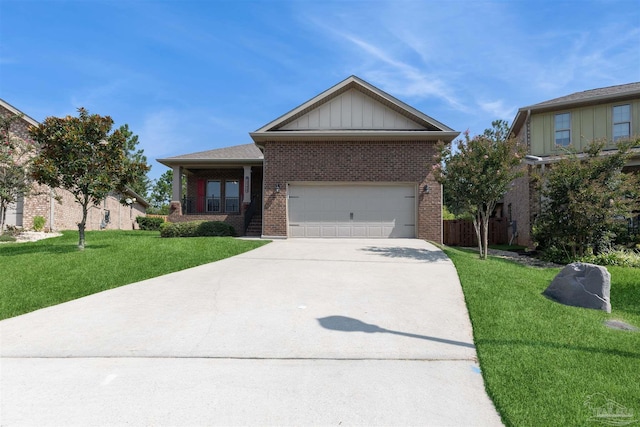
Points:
(351, 211)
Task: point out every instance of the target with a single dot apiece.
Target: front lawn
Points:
(51, 271)
(545, 363)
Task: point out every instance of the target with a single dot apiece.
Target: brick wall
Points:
(67, 213)
(359, 161)
(522, 199)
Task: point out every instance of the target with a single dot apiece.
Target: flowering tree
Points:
(584, 199)
(477, 173)
(82, 155)
(16, 155)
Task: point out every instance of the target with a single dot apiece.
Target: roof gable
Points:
(14, 110)
(353, 107)
(352, 110)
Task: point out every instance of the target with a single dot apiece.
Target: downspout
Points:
(527, 133)
(262, 198)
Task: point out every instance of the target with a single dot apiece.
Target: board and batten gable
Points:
(587, 124)
(353, 110)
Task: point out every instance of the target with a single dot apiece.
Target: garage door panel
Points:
(375, 211)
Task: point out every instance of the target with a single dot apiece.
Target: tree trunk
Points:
(476, 226)
(3, 211)
(81, 226)
(485, 237)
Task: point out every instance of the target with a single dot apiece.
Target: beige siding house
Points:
(549, 128)
(67, 213)
(351, 162)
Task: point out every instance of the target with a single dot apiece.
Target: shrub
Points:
(12, 230)
(7, 238)
(150, 223)
(196, 229)
(620, 257)
(38, 223)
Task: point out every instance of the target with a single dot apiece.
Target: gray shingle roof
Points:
(236, 152)
(592, 94)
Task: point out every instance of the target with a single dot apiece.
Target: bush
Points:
(558, 254)
(12, 230)
(196, 229)
(38, 223)
(620, 257)
(150, 223)
(7, 238)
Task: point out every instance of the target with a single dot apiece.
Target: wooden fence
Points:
(460, 232)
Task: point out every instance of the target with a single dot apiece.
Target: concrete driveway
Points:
(297, 332)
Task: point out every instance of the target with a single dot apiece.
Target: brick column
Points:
(175, 207)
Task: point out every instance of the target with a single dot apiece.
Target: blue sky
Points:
(189, 76)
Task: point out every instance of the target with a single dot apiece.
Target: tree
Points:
(582, 198)
(141, 183)
(161, 192)
(477, 174)
(16, 155)
(82, 155)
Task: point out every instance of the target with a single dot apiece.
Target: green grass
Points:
(51, 271)
(541, 360)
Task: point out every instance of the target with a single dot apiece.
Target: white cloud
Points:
(397, 76)
(162, 133)
(497, 109)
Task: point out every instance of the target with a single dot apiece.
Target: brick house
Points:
(65, 215)
(549, 127)
(351, 162)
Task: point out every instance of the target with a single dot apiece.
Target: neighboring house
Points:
(351, 162)
(67, 213)
(549, 128)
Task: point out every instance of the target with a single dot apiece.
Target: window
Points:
(213, 196)
(621, 121)
(232, 196)
(563, 129)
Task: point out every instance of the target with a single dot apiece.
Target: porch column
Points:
(246, 196)
(176, 190)
(176, 195)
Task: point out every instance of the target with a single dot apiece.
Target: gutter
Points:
(371, 135)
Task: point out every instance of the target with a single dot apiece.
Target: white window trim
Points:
(556, 130)
(614, 123)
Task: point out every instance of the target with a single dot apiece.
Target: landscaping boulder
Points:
(582, 285)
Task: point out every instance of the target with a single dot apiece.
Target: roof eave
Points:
(14, 110)
(139, 199)
(601, 99)
(170, 162)
(374, 135)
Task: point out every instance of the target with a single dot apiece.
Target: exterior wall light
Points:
(426, 189)
(277, 188)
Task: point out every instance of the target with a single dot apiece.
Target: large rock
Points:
(582, 285)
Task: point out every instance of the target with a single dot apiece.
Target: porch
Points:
(219, 185)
